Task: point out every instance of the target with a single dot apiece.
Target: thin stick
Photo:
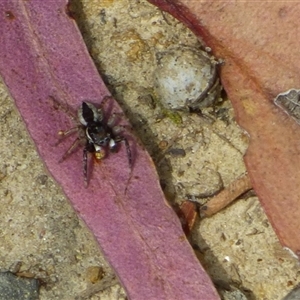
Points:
(228, 195)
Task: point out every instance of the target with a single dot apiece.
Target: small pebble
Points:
(184, 78)
(163, 145)
(176, 152)
(13, 287)
(94, 274)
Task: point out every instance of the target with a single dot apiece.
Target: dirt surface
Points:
(40, 228)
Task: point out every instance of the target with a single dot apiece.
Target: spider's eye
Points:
(104, 141)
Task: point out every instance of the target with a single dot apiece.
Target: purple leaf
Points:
(44, 58)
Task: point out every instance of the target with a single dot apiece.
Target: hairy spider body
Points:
(97, 135)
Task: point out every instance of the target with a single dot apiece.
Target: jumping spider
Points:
(97, 135)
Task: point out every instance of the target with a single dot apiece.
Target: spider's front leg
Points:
(85, 163)
(113, 143)
(99, 154)
(88, 148)
(128, 151)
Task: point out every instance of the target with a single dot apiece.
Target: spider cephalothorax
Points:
(97, 135)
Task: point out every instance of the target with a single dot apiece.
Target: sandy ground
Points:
(39, 227)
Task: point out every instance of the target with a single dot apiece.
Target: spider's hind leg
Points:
(63, 107)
